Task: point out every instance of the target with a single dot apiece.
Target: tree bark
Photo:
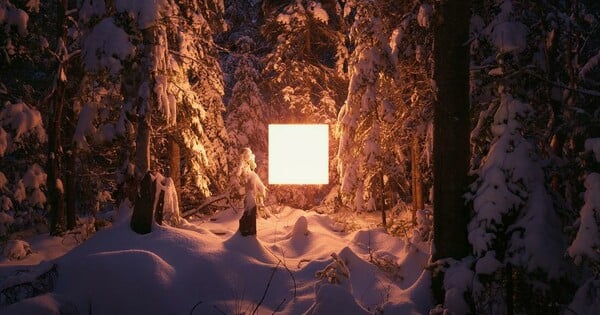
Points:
(174, 162)
(451, 150)
(175, 166)
(248, 222)
(417, 179)
(56, 191)
(382, 201)
(142, 140)
(71, 188)
(143, 210)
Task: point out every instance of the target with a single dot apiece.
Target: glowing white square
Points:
(298, 154)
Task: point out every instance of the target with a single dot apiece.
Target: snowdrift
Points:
(208, 268)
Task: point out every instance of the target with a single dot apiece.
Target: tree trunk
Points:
(145, 105)
(417, 179)
(248, 222)
(382, 201)
(451, 151)
(175, 166)
(71, 171)
(71, 188)
(248, 219)
(143, 210)
(174, 162)
(142, 146)
(53, 183)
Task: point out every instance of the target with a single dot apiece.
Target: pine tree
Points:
(164, 62)
(360, 118)
(303, 73)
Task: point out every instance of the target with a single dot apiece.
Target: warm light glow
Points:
(299, 154)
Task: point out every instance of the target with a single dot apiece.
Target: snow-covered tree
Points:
(303, 73)
(254, 190)
(517, 207)
(585, 248)
(25, 74)
(407, 99)
(162, 56)
(247, 113)
(360, 118)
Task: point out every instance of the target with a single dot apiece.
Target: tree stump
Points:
(143, 210)
(248, 222)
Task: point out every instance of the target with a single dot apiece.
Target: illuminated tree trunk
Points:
(174, 162)
(382, 200)
(451, 150)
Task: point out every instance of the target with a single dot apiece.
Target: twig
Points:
(564, 86)
(266, 289)
(286, 268)
(195, 305)
(278, 306)
(218, 309)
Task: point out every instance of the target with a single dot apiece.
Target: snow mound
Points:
(47, 304)
(192, 270)
(100, 283)
(16, 250)
(334, 299)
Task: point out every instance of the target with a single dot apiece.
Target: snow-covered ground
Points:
(209, 268)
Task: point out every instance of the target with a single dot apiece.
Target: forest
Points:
(463, 135)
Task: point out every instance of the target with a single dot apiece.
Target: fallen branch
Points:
(205, 204)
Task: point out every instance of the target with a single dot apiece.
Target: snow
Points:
(424, 15)
(512, 182)
(3, 141)
(587, 298)
(587, 241)
(23, 120)
(507, 35)
(3, 181)
(14, 16)
(457, 282)
(593, 145)
(89, 9)
(87, 114)
(318, 12)
(146, 13)
(589, 66)
(106, 46)
(208, 267)
(487, 264)
(33, 180)
(16, 249)
(33, 6)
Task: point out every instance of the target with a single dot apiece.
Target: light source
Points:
(298, 154)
